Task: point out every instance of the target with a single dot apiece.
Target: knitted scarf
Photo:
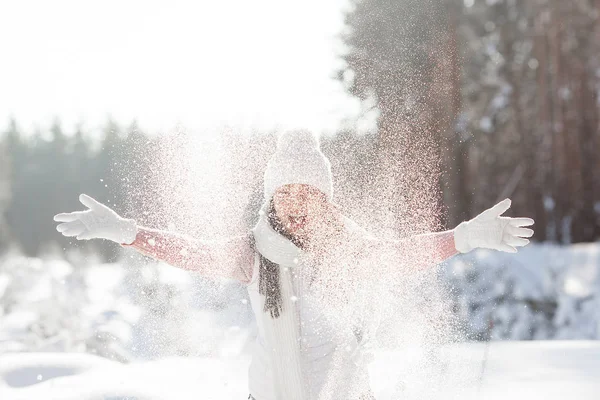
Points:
(269, 271)
(280, 258)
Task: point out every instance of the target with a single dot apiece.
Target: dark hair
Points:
(269, 283)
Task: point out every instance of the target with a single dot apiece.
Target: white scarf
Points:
(282, 334)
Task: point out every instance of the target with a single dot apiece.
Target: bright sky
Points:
(204, 64)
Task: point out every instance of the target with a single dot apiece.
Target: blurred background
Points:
(435, 109)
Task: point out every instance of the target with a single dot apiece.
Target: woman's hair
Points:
(269, 284)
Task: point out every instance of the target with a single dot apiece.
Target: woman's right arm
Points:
(232, 258)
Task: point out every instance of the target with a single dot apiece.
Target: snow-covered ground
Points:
(139, 330)
(505, 370)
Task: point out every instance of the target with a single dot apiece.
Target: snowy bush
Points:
(543, 292)
(50, 306)
(134, 309)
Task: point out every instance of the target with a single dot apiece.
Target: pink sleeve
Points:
(417, 252)
(232, 258)
(432, 248)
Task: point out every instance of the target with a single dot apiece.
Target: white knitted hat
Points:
(298, 159)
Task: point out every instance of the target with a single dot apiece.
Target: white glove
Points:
(97, 222)
(491, 231)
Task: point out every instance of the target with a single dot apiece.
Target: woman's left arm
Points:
(428, 249)
(487, 230)
(415, 253)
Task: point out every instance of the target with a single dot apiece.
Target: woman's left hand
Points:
(491, 231)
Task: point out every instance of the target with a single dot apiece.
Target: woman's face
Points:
(300, 208)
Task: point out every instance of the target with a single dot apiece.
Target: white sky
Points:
(205, 64)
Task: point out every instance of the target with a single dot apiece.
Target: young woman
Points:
(307, 269)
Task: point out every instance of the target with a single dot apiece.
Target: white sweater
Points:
(319, 347)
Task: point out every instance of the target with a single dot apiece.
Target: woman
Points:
(305, 266)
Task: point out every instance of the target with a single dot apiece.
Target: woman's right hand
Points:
(99, 221)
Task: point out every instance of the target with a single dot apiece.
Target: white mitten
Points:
(98, 222)
(491, 231)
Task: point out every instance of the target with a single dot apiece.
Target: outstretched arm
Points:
(424, 251)
(416, 253)
(487, 230)
(231, 258)
(412, 254)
